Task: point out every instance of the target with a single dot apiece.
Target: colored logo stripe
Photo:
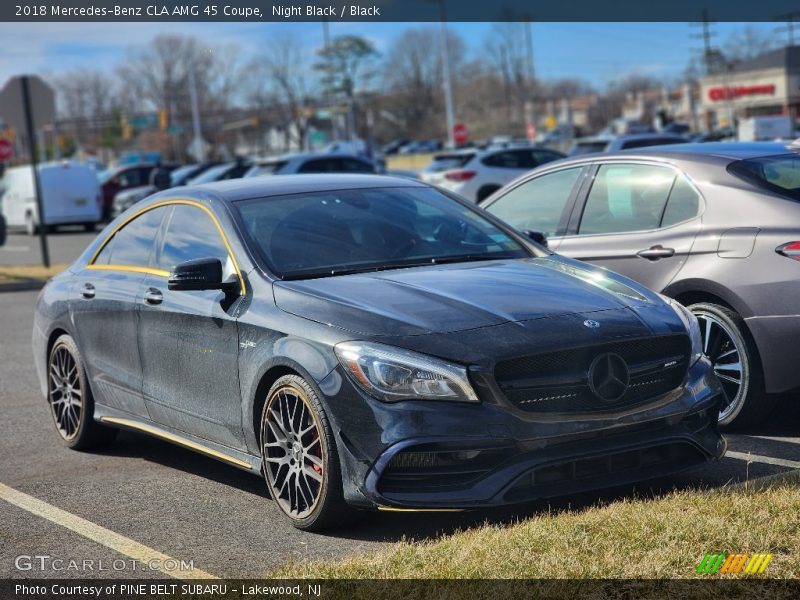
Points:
(741, 562)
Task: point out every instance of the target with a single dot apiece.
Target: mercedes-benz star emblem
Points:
(609, 377)
(591, 324)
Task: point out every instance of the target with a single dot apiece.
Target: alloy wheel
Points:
(292, 452)
(66, 394)
(723, 349)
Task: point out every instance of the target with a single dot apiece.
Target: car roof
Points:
(233, 190)
(305, 155)
(721, 153)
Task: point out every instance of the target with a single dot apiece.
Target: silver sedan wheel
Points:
(724, 347)
(293, 453)
(65, 393)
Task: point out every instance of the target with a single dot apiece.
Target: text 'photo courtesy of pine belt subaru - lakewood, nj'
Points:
(715, 226)
(370, 342)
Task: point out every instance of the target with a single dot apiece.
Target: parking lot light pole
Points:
(26, 104)
(448, 84)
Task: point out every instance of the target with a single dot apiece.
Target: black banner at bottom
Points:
(393, 589)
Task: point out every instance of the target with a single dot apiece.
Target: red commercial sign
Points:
(460, 134)
(6, 150)
(717, 94)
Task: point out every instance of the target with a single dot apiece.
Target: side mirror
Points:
(198, 274)
(537, 236)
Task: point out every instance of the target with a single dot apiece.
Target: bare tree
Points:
(413, 74)
(158, 76)
(278, 82)
(748, 42)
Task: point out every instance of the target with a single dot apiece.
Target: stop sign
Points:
(460, 134)
(6, 150)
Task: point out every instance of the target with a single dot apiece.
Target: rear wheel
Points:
(732, 352)
(70, 399)
(300, 461)
(89, 227)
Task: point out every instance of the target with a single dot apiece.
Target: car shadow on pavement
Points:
(421, 526)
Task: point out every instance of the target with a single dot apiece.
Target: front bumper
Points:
(439, 455)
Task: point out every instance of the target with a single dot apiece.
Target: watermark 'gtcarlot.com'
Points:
(48, 563)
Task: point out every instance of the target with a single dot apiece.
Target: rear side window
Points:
(778, 174)
(588, 148)
(510, 159)
(683, 203)
(133, 244)
(537, 204)
(644, 143)
(269, 168)
(626, 198)
(353, 165)
(320, 165)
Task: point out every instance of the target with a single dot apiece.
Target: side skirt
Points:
(116, 418)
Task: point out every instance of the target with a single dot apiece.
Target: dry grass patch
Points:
(664, 537)
(19, 273)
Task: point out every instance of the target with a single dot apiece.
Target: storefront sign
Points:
(717, 94)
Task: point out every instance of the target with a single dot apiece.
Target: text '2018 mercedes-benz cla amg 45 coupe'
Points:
(370, 342)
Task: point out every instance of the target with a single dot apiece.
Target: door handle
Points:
(656, 252)
(88, 291)
(153, 296)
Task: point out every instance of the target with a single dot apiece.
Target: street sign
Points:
(6, 150)
(531, 131)
(460, 133)
(43, 104)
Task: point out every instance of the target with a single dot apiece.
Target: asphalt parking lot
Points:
(144, 493)
(65, 245)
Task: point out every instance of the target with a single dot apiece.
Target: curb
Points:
(22, 286)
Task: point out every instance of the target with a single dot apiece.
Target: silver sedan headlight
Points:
(692, 327)
(394, 374)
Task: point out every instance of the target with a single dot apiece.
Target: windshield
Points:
(212, 174)
(334, 233)
(444, 162)
(779, 174)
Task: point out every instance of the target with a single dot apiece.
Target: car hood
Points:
(459, 297)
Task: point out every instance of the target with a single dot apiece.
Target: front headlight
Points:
(692, 327)
(393, 374)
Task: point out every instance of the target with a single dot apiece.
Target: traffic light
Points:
(163, 119)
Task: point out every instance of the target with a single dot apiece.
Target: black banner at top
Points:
(399, 10)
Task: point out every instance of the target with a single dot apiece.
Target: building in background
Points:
(768, 84)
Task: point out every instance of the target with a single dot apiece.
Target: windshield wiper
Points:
(441, 260)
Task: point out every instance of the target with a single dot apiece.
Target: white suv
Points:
(477, 174)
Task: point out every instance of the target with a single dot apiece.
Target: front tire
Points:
(70, 399)
(733, 354)
(300, 460)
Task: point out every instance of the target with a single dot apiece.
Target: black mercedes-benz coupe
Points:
(370, 342)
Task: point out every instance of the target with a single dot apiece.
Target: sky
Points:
(594, 52)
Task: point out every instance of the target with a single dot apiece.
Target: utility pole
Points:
(326, 44)
(709, 52)
(792, 20)
(448, 84)
(199, 146)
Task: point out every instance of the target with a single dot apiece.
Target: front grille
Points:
(557, 382)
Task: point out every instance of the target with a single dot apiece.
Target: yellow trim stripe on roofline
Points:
(129, 269)
(160, 272)
(176, 439)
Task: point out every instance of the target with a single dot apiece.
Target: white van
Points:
(70, 195)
